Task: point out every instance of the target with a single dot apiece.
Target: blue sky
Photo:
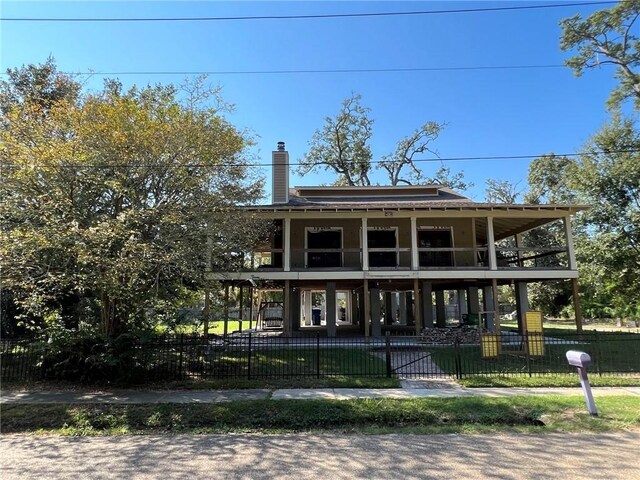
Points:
(487, 112)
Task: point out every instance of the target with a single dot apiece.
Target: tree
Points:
(415, 144)
(501, 191)
(606, 37)
(342, 145)
(111, 197)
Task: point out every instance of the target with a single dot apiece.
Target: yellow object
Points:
(490, 345)
(535, 334)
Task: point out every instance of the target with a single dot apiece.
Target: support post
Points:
(576, 304)
(417, 316)
(376, 327)
(365, 245)
(367, 308)
(496, 306)
(389, 311)
(330, 310)
(226, 310)
(287, 244)
(488, 306)
(415, 258)
(568, 235)
(491, 244)
(250, 307)
(206, 313)
(286, 310)
(240, 309)
(522, 303)
(427, 304)
(441, 320)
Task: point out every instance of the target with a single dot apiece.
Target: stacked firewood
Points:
(448, 335)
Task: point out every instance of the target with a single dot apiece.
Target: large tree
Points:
(110, 196)
(342, 146)
(607, 37)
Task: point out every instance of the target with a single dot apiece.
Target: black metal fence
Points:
(254, 356)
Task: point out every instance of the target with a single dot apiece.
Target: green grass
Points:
(567, 380)
(454, 415)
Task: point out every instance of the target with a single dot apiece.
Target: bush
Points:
(91, 359)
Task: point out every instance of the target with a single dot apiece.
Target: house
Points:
(388, 258)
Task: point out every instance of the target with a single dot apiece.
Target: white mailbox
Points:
(581, 361)
(578, 359)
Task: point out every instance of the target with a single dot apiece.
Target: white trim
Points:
(364, 247)
(415, 258)
(322, 229)
(491, 244)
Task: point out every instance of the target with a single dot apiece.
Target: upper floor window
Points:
(382, 244)
(323, 247)
(439, 240)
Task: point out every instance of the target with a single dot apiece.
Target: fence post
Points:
(387, 344)
(249, 359)
(318, 354)
(596, 340)
(458, 359)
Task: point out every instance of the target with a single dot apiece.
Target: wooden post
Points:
(576, 304)
(286, 310)
(367, 308)
(226, 309)
(417, 317)
(496, 306)
(207, 312)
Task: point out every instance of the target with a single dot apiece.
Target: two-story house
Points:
(376, 258)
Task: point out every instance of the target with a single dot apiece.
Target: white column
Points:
(488, 306)
(491, 244)
(287, 244)
(376, 327)
(415, 259)
(568, 235)
(365, 249)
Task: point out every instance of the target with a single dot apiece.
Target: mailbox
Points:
(581, 361)
(578, 359)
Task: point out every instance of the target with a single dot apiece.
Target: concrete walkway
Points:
(215, 396)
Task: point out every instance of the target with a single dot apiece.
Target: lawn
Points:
(426, 415)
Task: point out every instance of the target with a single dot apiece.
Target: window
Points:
(435, 238)
(323, 240)
(383, 238)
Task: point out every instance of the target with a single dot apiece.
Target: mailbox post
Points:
(581, 361)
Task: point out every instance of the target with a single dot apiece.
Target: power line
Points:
(375, 162)
(300, 17)
(315, 71)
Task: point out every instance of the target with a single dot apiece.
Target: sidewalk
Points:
(216, 396)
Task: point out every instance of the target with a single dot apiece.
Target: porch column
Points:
(519, 244)
(250, 307)
(576, 304)
(427, 304)
(394, 306)
(355, 307)
(462, 303)
(330, 311)
(417, 317)
(295, 309)
(441, 314)
(376, 328)
(389, 312)
(415, 259)
(568, 235)
(496, 305)
(286, 309)
(287, 244)
(226, 309)
(306, 301)
(364, 308)
(473, 300)
(522, 303)
(402, 307)
(489, 307)
(491, 245)
(365, 246)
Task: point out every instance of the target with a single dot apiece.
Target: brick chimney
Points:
(280, 186)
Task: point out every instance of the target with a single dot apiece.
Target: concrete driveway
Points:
(305, 456)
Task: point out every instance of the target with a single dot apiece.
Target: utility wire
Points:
(315, 71)
(270, 164)
(300, 17)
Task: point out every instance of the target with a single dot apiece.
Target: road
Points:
(307, 456)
